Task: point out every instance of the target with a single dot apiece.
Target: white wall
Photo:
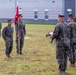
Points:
(75, 8)
(7, 8)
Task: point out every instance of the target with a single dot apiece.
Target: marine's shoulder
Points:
(61, 24)
(22, 22)
(58, 24)
(71, 23)
(12, 27)
(9, 27)
(5, 28)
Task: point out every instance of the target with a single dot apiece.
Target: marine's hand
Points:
(51, 41)
(50, 36)
(18, 35)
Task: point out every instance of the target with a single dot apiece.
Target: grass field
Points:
(38, 54)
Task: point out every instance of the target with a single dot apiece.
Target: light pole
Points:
(15, 4)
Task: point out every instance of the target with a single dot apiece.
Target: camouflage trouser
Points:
(61, 55)
(0, 32)
(71, 54)
(21, 43)
(9, 46)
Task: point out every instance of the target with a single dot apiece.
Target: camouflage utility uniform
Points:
(7, 35)
(21, 31)
(72, 30)
(0, 28)
(62, 44)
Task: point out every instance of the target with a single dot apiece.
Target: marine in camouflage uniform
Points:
(20, 32)
(0, 28)
(72, 30)
(62, 43)
(7, 35)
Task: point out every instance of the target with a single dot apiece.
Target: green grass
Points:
(38, 54)
(41, 23)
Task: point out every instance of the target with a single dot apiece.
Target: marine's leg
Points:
(11, 46)
(62, 59)
(17, 44)
(21, 44)
(72, 56)
(7, 52)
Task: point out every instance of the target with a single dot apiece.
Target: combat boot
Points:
(17, 52)
(72, 65)
(7, 55)
(21, 53)
(61, 72)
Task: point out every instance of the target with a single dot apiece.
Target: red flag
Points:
(16, 15)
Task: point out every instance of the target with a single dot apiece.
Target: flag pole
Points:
(15, 4)
(18, 31)
(17, 19)
(18, 37)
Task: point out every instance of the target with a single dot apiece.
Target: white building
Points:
(37, 10)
